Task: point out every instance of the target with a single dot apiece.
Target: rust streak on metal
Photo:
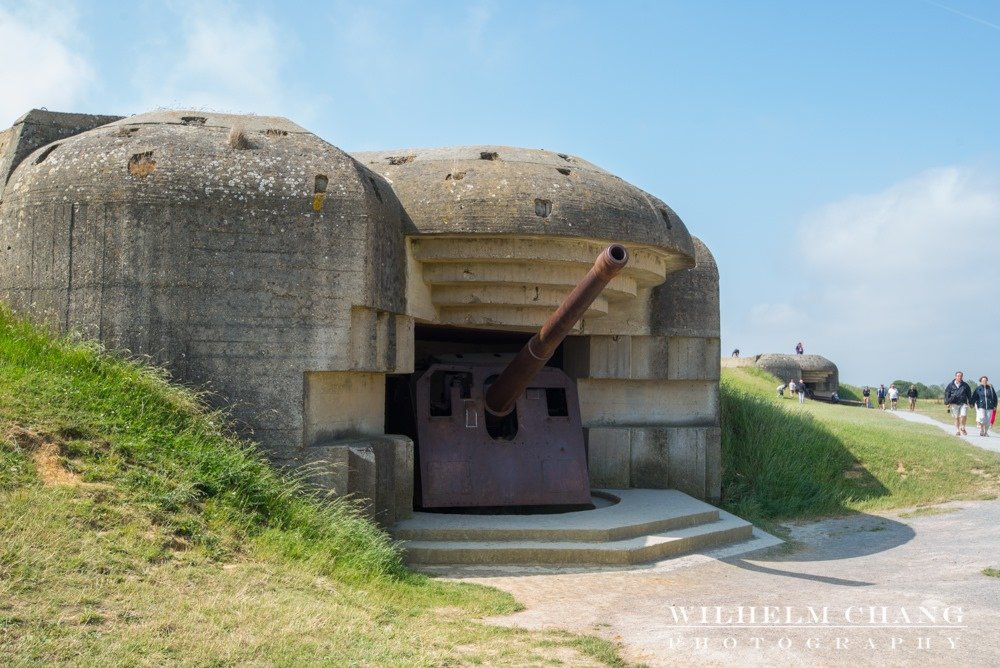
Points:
(503, 393)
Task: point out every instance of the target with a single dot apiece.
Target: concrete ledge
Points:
(629, 551)
(638, 512)
(646, 524)
(377, 471)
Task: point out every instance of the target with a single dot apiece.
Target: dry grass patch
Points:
(46, 454)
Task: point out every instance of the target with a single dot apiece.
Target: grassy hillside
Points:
(135, 531)
(782, 460)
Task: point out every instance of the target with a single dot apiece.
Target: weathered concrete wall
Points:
(243, 259)
(377, 471)
(650, 401)
(38, 128)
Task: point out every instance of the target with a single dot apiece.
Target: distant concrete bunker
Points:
(310, 288)
(819, 374)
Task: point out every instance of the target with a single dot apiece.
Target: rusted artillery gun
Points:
(500, 431)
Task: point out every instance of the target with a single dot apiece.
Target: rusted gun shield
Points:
(462, 464)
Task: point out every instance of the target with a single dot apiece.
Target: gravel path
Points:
(991, 442)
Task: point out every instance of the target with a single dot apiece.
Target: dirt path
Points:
(862, 590)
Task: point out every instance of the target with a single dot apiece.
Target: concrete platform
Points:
(643, 525)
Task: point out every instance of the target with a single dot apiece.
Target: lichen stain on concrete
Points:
(319, 191)
(141, 165)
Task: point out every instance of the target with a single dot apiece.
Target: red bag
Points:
(993, 418)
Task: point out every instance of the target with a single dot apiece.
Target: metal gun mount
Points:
(502, 430)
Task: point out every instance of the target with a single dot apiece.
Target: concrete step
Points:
(623, 552)
(621, 513)
(645, 525)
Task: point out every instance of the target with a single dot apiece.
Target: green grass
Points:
(786, 461)
(849, 392)
(991, 572)
(134, 530)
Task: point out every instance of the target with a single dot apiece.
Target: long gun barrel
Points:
(503, 393)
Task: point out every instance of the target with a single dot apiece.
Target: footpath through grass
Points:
(786, 461)
(135, 531)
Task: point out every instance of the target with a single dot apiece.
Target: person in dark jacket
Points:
(984, 398)
(957, 397)
(911, 394)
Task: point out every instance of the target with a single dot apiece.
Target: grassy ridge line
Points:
(120, 423)
(784, 461)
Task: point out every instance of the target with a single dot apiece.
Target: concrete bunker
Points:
(820, 375)
(304, 285)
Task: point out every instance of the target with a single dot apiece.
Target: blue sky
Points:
(841, 159)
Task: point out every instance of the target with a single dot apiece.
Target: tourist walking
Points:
(801, 387)
(911, 394)
(984, 398)
(781, 390)
(893, 395)
(866, 396)
(880, 395)
(791, 387)
(957, 397)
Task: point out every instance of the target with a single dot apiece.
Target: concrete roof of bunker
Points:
(804, 362)
(530, 192)
(196, 156)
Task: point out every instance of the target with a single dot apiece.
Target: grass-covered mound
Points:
(782, 460)
(134, 530)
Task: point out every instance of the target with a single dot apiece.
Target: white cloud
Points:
(40, 60)
(932, 220)
(225, 60)
(899, 281)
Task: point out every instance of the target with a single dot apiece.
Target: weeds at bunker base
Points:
(866, 616)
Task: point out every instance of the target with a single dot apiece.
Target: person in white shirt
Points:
(893, 396)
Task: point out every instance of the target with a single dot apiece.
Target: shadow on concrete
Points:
(757, 568)
(849, 537)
